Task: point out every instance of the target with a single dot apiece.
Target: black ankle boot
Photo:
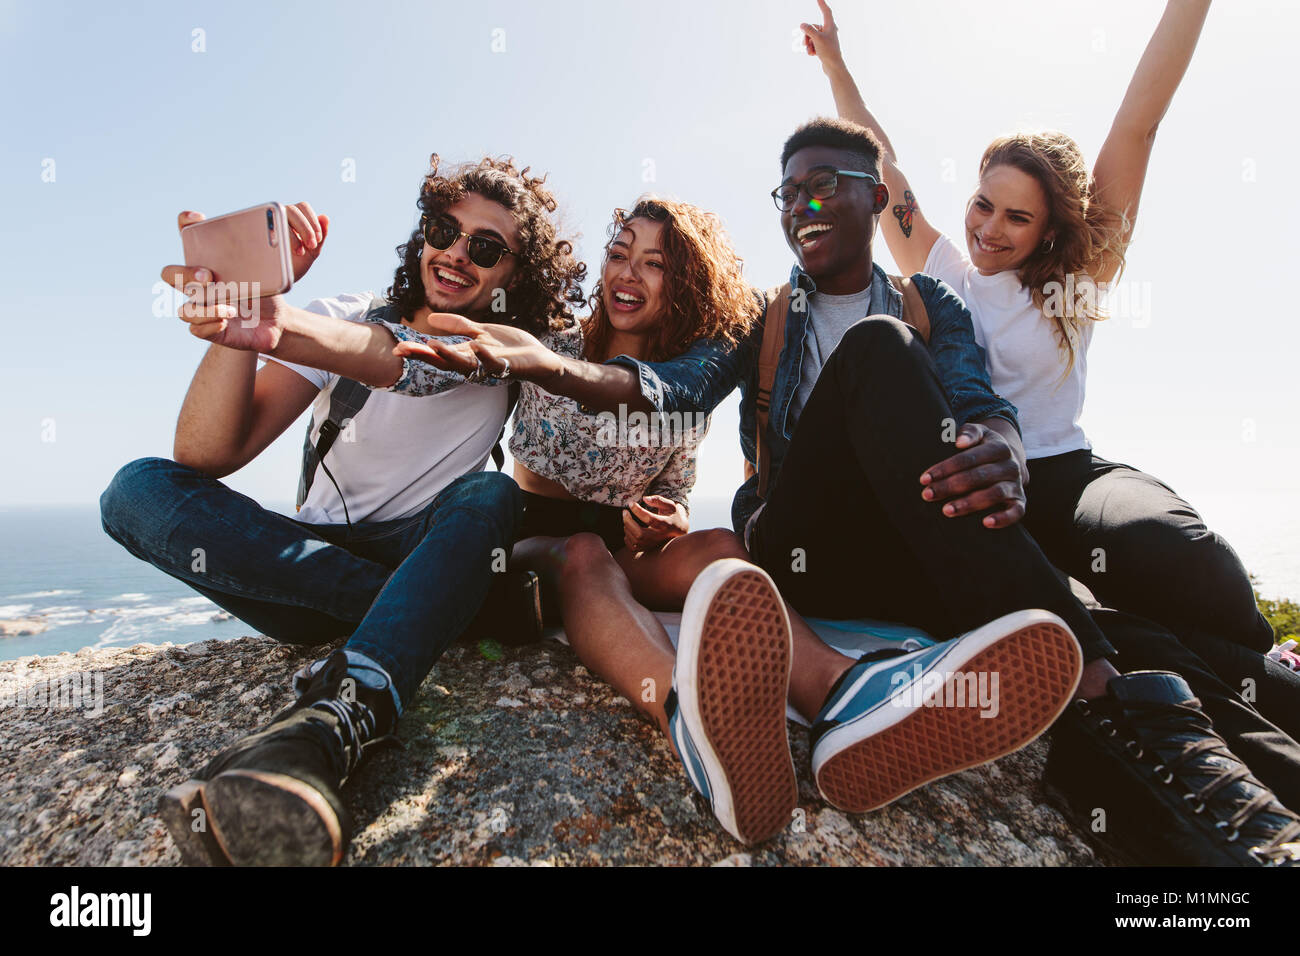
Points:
(273, 798)
(1172, 792)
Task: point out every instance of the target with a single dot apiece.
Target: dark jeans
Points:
(1140, 547)
(403, 589)
(845, 531)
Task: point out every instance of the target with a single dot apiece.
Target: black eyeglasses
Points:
(821, 184)
(442, 233)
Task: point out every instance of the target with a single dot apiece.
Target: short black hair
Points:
(837, 134)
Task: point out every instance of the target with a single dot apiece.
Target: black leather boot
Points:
(273, 798)
(1172, 792)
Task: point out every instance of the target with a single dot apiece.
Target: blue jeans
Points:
(403, 589)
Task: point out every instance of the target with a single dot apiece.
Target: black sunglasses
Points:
(442, 233)
(821, 184)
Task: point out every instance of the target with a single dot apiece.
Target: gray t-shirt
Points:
(829, 318)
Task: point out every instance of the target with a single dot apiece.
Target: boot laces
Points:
(355, 727)
(1165, 720)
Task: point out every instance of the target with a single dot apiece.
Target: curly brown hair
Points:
(706, 294)
(1087, 238)
(548, 282)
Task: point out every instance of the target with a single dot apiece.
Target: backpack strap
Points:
(915, 313)
(778, 309)
(499, 455)
(346, 399)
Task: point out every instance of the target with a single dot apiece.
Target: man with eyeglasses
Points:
(397, 550)
(890, 479)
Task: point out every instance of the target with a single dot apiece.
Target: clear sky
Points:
(116, 117)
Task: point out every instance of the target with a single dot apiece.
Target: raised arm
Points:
(909, 235)
(1121, 167)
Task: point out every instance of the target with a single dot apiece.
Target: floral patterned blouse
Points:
(603, 458)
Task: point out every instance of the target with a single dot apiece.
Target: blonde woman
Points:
(1042, 229)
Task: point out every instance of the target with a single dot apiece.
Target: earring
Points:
(1048, 246)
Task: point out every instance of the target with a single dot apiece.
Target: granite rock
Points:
(512, 757)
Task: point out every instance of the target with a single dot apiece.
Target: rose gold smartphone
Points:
(250, 246)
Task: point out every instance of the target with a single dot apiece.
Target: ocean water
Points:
(58, 567)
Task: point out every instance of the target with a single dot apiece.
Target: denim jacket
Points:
(702, 376)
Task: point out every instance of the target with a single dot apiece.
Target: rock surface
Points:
(513, 757)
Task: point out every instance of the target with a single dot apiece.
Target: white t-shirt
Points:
(1026, 363)
(405, 449)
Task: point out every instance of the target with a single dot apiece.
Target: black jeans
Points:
(1139, 547)
(845, 531)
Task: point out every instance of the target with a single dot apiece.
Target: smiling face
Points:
(1006, 220)
(632, 279)
(454, 283)
(832, 237)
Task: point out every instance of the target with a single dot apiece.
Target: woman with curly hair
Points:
(1043, 234)
(606, 515)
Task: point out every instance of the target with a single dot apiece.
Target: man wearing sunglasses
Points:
(397, 549)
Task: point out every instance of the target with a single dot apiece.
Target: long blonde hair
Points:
(1085, 235)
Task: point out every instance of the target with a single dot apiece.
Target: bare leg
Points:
(611, 633)
(542, 554)
(661, 579)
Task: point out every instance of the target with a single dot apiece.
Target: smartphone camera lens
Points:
(270, 227)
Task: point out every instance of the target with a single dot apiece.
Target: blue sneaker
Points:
(898, 720)
(726, 709)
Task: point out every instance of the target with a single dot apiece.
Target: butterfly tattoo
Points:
(904, 210)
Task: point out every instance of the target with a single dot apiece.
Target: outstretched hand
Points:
(823, 42)
(498, 349)
(983, 475)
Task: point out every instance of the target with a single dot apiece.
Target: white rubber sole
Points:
(895, 748)
(732, 676)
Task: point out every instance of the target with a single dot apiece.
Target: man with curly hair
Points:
(397, 551)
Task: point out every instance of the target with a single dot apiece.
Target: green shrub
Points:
(1283, 614)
